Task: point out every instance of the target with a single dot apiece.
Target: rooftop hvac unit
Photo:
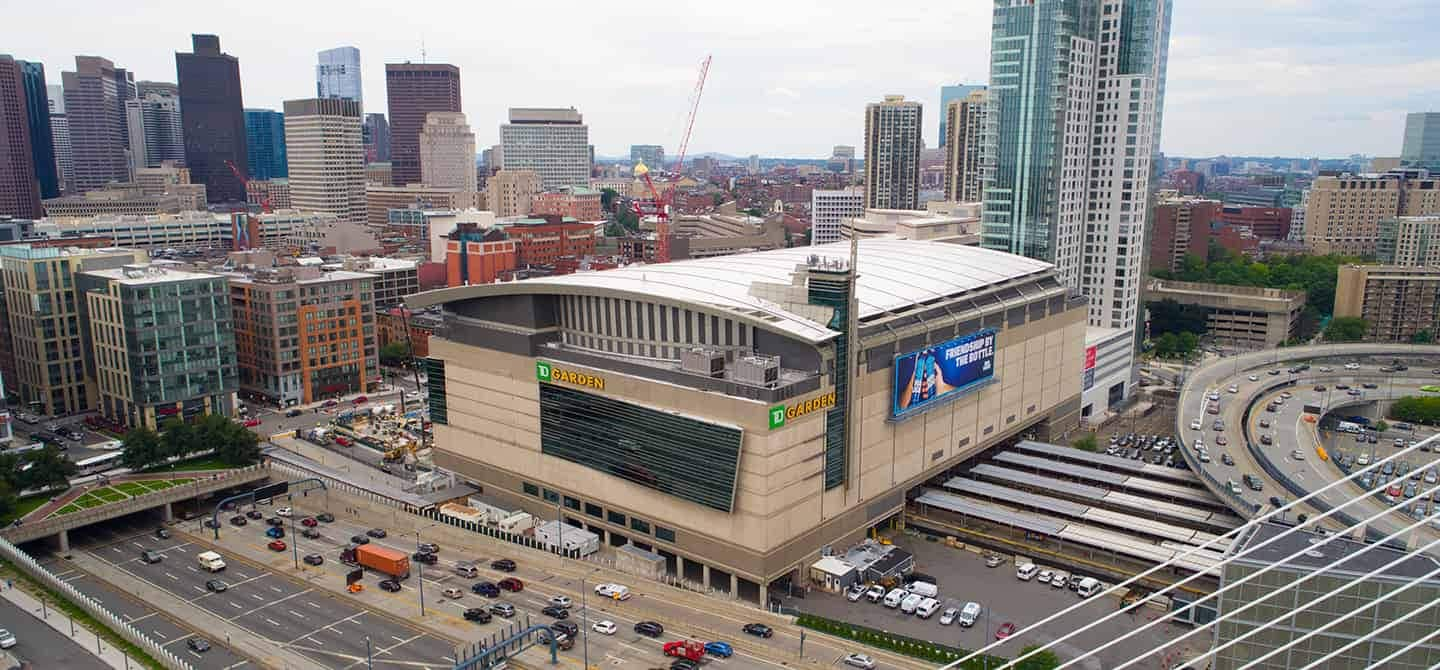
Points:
(703, 362)
(757, 370)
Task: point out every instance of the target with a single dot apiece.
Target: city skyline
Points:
(765, 95)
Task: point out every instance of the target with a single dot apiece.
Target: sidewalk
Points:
(62, 624)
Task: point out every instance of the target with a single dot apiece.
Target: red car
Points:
(360, 400)
(512, 584)
(251, 423)
(331, 402)
(309, 522)
(342, 440)
(1006, 630)
(277, 545)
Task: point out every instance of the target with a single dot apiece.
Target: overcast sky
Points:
(790, 78)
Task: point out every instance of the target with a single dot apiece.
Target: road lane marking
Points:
(162, 635)
(273, 622)
(236, 605)
(257, 596)
(172, 576)
(295, 614)
(312, 604)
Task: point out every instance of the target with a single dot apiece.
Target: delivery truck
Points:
(211, 561)
(380, 559)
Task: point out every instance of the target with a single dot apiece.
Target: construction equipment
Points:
(659, 207)
(245, 184)
(691, 649)
(400, 451)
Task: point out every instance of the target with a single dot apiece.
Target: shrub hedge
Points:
(924, 650)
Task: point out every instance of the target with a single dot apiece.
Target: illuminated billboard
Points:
(942, 372)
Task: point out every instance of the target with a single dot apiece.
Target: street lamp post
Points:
(369, 658)
(585, 621)
(294, 540)
(420, 567)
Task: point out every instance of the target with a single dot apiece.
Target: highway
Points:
(41, 645)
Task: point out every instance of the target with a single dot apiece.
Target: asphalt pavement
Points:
(43, 646)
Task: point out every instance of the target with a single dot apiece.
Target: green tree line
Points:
(29, 470)
(233, 444)
(1417, 409)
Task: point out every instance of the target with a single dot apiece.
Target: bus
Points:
(97, 464)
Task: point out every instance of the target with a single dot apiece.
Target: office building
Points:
(1267, 223)
(187, 230)
(337, 74)
(478, 255)
(553, 142)
(265, 145)
(1343, 213)
(302, 334)
(828, 208)
(95, 114)
(949, 94)
(956, 225)
(154, 126)
(1076, 94)
(892, 154)
(60, 133)
(1421, 145)
(1409, 241)
(377, 138)
(1181, 227)
(170, 179)
(1396, 302)
(326, 158)
(19, 189)
(379, 200)
(1322, 594)
(447, 152)
(395, 278)
(632, 402)
(962, 137)
(512, 192)
(163, 345)
(212, 112)
(579, 203)
(37, 114)
(652, 155)
(1243, 317)
(413, 91)
(269, 195)
(126, 198)
(52, 364)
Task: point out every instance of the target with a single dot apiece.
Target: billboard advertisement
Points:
(942, 372)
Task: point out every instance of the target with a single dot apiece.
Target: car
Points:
(148, 556)
(162, 533)
(330, 403)
(1045, 576)
(1352, 366)
(1286, 395)
(1214, 395)
(284, 511)
(511, 584)
(875, 593)
(428, 547)
(359, 539)
(1264, 423)
(994, 560)
(487, 589)
(293, 412)
(1370, 438)
(215, 586)
(275, 521)
(948, 616)
(251, 423)
(1203, 456)
(1060, 580)
(1297, 455)
(503, 610)
(1212, 409)
(452, 592)
(309, 522)
(325, 517)
(683, 664)
(1320, 387)
(1254, 378)
(424, 557)
(1005, 630)
(198, 645)
(1274, 373)
(277, 545)
(275, 533)
(376, 533)
(758, 630)
(7, 639)
(560, 601)
(360, 400)
(862, 661)
(604, 627)
(389, 585)
(1342, 387)
(1370, 385)
(1233, 389)
(254, 514)
(345, 442)
(478, 615)
(855, 592)
(1355, 392)
(314, 559)
(1221, 440)
(503, 565)
(649, 629)
(721, 649)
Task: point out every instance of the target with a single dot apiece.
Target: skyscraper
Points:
(376, 134)
(19, 192)
(963, 125)
(1421, 146)
(42, 141)
(337, 75)
(892, 153)
(265, 144)
(447, 152)
(327, 161)
(214, 123)
(154, 126)
(412, 91)
(949, 94)
(96, 115)
(1076, 92)
(60, 132)
(653, 155)
(552, 141)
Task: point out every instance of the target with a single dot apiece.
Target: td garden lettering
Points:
(779, 414)
(547, 372)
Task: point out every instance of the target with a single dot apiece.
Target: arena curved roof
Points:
(894, 274)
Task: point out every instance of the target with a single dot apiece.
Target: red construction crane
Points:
(245, 184)
(660, 207)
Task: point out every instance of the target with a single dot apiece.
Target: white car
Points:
(605, 627)
(1297, 455)
(948, 616)
(616, 591)
(1060, 580)
(1045, 576)
(1214, 395)
(1352, 366)
(7, 639)
(283, 511)
(1233, 389)
(1195, 425)
(855, 592)
(560, 601)
(860, 661)
(1254, 378)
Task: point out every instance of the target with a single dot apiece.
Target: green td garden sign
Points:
(779, 414)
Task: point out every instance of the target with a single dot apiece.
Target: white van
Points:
(1089, 586)
(211, 561)
(893, 598)
(1026, 571)
(911, 602)
(927, 607)
(969, 614)
(923, 588)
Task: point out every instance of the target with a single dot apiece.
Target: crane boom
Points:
(662, 222)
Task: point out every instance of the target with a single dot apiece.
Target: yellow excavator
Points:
(398, 453)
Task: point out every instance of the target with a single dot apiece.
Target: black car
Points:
(487, 589)
(649, 629)
(1277, 501)
(237, 520)
(376, 533)
(424, 557)
(428, 547)
(566, 627)
(478, 615)
(555, 611)
(503, 565)
(293, 412)
(255, 514)
(310, 533)
(162, 533)
(683, 664)
(1370, 385)
(326, 517)
(359, 539)
(275, 521)
(216, 586)
(389, 585)
(758, 629)
(198, 644)
(314, 559)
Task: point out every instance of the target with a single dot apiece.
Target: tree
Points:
(395, 353)
(1086, 442)
(607, 198)
(1346, 329)
(142, 448)
(1416, 409)
(1169, 316)
(1381, 426)
(1422, 337)
(181, 439)
(238, 447)
(47, 468)
(1042, 660)
(628, 220)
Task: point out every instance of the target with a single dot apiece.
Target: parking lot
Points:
(76, 450)
(963, 577)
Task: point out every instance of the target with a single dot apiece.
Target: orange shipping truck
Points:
(382, 559)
